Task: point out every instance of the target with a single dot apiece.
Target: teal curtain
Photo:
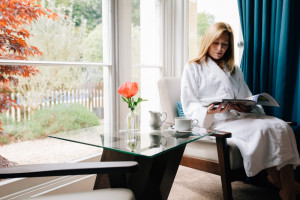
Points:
(271, 57)
(271, 61)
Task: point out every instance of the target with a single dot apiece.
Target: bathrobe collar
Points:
(223, 74)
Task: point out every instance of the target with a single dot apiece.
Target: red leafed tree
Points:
(15, 15)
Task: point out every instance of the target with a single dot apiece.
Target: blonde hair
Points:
(212, 33)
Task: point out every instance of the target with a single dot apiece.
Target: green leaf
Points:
(140, 100)
(125, 99)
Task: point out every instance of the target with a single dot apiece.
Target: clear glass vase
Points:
(133, 121)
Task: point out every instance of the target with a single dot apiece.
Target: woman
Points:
(265, 142)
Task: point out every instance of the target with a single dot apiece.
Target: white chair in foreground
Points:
(214, 156)
(63, 169)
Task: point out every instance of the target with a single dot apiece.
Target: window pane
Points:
(135, 33)
(203, 13)
(58, 99)
(146, 34)
(74, 35)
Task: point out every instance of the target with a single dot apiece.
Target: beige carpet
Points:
(192, 184)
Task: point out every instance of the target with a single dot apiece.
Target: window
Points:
(85, 56)
(203, 13)
(146, 53)
(68, 92)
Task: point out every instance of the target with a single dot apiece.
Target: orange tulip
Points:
(128, 89)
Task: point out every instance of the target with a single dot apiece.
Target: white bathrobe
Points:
(263, 141)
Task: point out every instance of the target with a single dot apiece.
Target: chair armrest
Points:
(63, 169)
(220, 134)
(292, 123)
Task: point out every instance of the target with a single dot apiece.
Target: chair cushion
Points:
(180, 110)
(101, 194)
(206, 149)
(169, 94)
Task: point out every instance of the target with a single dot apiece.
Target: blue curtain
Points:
(271, 57)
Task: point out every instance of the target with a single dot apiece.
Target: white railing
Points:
(90, 98)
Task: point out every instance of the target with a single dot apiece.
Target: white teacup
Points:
(185, 124)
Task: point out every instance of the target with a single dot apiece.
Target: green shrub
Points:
(48, 120)
(3, 139)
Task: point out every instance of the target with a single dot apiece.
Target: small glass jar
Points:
(133, 121)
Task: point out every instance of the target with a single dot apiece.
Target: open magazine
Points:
(263, 99)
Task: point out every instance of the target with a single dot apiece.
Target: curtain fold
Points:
(271, 55)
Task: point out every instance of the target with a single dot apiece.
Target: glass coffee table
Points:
(157, 152)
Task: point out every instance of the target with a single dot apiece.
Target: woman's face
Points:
(219, 47)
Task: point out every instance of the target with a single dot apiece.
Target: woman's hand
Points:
(212, 110)
(240, 107)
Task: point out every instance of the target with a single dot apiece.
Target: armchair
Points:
(218, 156)
(117, 169)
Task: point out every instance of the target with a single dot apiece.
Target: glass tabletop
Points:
(147, 143)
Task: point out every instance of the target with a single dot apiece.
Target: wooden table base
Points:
(154, 178)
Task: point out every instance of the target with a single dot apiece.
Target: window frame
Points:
(118, 14)
(109, 65)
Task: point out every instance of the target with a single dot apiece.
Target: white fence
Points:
(90, 98)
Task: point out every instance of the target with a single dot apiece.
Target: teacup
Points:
(185, 124)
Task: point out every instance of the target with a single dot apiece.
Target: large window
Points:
(67, 93)
(84, 57)
(203, 13)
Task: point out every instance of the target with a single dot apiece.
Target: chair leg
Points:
(224, 167)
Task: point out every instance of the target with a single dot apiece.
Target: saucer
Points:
(176, 133)
(171, 129)
(184, 131)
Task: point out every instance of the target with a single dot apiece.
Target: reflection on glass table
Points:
(158, 153)
(147, 143)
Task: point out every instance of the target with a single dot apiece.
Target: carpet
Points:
(191, 184)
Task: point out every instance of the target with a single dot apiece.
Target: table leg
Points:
(154, 178)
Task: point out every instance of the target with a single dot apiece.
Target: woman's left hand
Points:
(240, 107)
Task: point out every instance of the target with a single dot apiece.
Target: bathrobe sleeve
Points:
(190, 97)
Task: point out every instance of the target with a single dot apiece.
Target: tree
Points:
(15, 15)
(92, 50)
(204, 20)
(136, 13)
(88, 11)
(60, 40)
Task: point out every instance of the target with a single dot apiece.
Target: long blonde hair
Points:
(212, 33)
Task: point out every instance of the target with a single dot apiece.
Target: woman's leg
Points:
(286, 175)
(297, 188)
(274, 177)
(287, 191)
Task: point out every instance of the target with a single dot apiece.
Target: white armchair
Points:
(214, 156)
(118, 169)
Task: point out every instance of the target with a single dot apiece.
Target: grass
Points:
(49, 120)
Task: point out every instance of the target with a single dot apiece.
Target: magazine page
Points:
(267, 100)
(264, 99)
(246, 102)
(253, 98)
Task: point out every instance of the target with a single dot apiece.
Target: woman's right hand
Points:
(220, 109)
